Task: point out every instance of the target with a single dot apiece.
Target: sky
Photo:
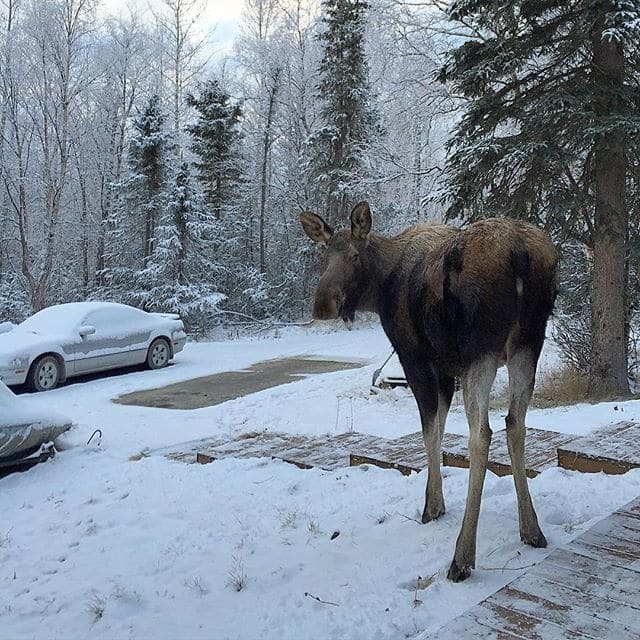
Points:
(223, 16)
(220, 18)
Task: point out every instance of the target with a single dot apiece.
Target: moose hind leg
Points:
(476, 386)
(522, 366)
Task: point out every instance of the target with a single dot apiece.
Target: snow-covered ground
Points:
(103, 543)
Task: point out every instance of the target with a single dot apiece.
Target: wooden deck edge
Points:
(356, 459)
(204, 458)
(591, 592)
(576, 461)
(498, 468)
(298, 463)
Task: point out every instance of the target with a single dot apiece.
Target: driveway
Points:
(220, 387)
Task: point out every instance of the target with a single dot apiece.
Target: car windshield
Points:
(56, 319)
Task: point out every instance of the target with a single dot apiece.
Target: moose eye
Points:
(355, 258)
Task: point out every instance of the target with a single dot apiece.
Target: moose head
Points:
(344, 286)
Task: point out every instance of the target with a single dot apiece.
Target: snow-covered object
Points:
(5, 327)
(83, 337)
(111, 542)
(23, 428)
(392, 374)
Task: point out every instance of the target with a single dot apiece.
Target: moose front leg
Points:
(433, 403)
(434, 497)
(432, 435)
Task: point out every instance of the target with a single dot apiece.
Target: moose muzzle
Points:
(328, 304)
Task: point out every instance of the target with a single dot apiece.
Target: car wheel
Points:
(45, 374)
(158, 354)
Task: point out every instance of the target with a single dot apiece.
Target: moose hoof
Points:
(538, 541)
(430, 514)
(458, 574)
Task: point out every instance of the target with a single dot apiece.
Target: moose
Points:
(455, 304)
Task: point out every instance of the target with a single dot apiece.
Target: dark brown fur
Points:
(454, 303)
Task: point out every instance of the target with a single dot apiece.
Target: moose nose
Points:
(327, 305)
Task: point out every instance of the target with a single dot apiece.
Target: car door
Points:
(105, 341)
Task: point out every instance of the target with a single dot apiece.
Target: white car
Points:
(83, 337)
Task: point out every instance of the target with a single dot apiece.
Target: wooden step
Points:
(612, 449)
(407, 454)
(540, 452)
(586, 589)
(325, 452)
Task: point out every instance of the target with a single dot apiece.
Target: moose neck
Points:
(382, 257)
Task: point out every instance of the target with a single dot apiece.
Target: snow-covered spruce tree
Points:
(141, 202)
(348, 120)
(122, 75)
(216, 140)
(149, 152)
(15, 305)
(550, 133)
(181, 273)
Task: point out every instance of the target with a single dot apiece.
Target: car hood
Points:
(18, 342)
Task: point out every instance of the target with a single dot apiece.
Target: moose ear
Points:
(361, 221)
(316, 228)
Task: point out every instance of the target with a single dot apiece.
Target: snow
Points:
(5, 327)
(101, 542)
(62, 318)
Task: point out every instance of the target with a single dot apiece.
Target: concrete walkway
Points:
(220, 387)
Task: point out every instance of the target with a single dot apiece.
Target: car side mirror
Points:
(86, 330)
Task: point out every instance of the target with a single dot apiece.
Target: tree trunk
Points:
(608, 372)
(148, 233)
(84, 225)
(335, 197)
(416, 186)
(264, 187)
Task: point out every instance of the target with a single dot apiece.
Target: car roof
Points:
(89, 305)
(62, 317)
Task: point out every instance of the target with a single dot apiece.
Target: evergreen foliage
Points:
(215, 143)
(149, 155)
(140, 205)
(349, 121)
(524, 146)
(551, 133)
(180, 275)
(14, 302)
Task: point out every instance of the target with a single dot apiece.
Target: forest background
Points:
(140, 162)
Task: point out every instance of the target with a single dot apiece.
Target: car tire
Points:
(45, 374)
(159, 354)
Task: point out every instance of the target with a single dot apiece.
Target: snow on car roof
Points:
(62, 317)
